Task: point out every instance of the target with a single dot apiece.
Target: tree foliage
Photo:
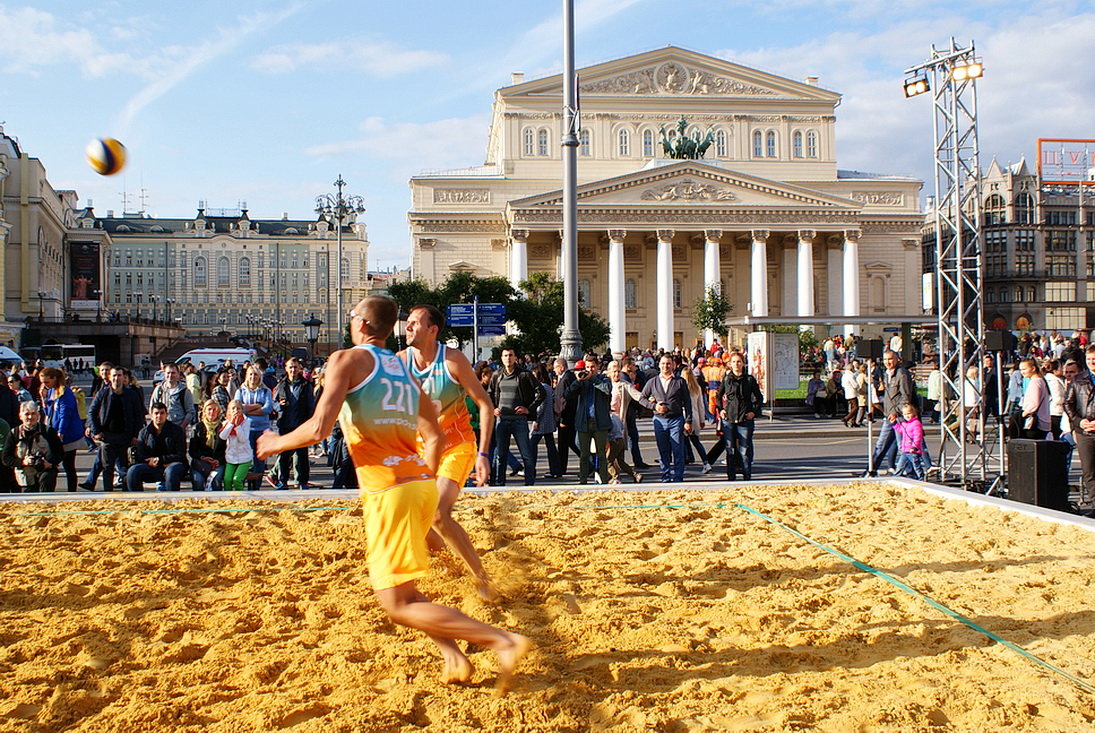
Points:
(711, 311)
(461, 287)
(539, 318)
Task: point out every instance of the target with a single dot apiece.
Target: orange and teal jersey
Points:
(447, 395)
(380, 421)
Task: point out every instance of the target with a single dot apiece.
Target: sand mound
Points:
(696, 617)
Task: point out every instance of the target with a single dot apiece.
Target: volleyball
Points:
(105, 155)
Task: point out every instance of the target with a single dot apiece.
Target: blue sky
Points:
(268, 102)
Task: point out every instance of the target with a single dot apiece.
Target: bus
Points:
(79, 356)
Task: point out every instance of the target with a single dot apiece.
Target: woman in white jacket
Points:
(238, 455)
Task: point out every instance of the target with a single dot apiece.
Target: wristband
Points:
(485, 455)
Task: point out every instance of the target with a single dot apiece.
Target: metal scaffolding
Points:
(965, 457)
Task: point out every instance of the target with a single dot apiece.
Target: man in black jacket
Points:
(739, 400)
(296, 403)
(667, 395)
(160, 453)
(591, 391)
(1080, 407)
(115, 416)
(34, 450)
(564, 379)
(517, 396)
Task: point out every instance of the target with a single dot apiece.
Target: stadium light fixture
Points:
(916, 85)
(972, 70)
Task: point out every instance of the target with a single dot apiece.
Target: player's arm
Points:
(340, 373)
(430, 432)
(465, 375)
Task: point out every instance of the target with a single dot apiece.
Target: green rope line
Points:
(927, 599)
(901, 585)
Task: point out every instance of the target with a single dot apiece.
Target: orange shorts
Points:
(396, 523)
(458, 462)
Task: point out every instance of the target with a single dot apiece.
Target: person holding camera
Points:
(34, 450)
(591, 391)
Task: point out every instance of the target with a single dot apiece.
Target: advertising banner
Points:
(1064, 161)
(84, 282)
(773, 361)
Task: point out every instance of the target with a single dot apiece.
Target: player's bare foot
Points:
(508, 658)
(486, 589)
(458, 671)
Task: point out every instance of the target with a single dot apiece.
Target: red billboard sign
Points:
(1066, 161)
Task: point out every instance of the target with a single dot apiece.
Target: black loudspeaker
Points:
(869, 349)
(1000, 341)
(1036, 473)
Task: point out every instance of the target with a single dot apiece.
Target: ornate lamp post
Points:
(41, 304)
(155, 301)
(98, 304)
(338, 207)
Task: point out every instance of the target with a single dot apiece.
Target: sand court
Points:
(839, 607)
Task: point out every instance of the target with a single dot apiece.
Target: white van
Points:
(214, 358)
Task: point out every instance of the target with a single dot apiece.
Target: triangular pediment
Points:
(674, 72)
(692, 183)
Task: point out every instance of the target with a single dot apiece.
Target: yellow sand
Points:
(684, 619)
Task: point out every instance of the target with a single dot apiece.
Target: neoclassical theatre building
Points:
(765, 215)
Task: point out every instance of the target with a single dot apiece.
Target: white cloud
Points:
(35, 38)
(376, 58)
(449, 143)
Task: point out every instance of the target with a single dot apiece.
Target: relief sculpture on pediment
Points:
(673, 77)
(689, 190)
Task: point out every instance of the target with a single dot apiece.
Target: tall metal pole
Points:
(340, 210)
(571, 339)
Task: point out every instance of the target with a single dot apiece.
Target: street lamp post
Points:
(41, 305)
(98, 304)
(338, 207)
(311, 333)
(154, 299)
(570, 340)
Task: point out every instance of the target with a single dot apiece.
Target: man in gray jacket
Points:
(897, 391)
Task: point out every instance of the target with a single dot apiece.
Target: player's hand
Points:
(482, 471)
(266, 445)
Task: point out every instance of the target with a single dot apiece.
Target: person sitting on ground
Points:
(207, 449)
(160, 453)
(34, 450)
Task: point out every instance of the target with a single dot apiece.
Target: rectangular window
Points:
(1060, 292)
(1065, 319)
(1024, 264)
(1060, 265)
(1024, 240)
(1060, 240)
(1090, 292)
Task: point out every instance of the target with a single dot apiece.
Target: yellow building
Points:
(766, 215)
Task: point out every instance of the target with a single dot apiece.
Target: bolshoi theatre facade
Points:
(765, 215)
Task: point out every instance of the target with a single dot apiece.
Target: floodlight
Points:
(972, 70)
(917, 85)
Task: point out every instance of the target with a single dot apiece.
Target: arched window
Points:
(796, 144)
(245, 271)
(811, 144)
(583, 143)
(676, 293)
(758, 144)
(1024, 209)
(528, 142)
(995, 209)
(583, 293)
(648, 143)
(770, 144)
(223, 274)
(542, 143)
(721, 146)
(629, 293)
(199, 272)
(623, 143)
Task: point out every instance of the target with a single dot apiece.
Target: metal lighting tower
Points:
(950, 75)
(570, 341)
(338, 207)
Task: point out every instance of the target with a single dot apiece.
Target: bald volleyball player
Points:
(382, 410)
(446, 377)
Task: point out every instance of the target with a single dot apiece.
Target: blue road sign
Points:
(498, 330)
(462, 315)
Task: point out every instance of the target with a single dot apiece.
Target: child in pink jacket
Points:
(910, 434)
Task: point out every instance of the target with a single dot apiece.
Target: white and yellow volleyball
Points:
(105, 155)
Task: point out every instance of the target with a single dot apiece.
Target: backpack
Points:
(81, 401)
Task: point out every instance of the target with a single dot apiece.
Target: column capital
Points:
(665, 235)
(761, 235)
(519, 235)
(427, 243)
(617, 235)
(712, 235)
(807, 235)
(852, 235)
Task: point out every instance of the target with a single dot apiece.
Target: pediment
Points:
(675, 72)
(689, 184)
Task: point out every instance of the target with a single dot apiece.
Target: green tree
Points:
(461, 287)
(711, 311)
(539, 317)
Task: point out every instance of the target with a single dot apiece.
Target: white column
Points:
(806, 272)
(758, 273)
(712, 272)
(617, 322)
(665, 289)
(851, 277)
(518, 257)
(835, 296)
